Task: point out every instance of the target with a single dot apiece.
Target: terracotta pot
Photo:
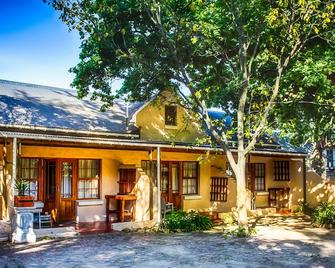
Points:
(23, 201)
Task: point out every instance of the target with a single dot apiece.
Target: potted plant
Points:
(22, 200)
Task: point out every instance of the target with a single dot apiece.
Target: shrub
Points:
(305, 208)
(181, 221)
(227, 218)
(324, 214)
(241, 231)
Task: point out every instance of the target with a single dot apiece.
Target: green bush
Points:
(324, 214)
(241, 231)
(181, 221)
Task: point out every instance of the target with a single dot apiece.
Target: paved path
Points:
(288, 242)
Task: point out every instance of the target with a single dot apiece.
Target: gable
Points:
(151, 120)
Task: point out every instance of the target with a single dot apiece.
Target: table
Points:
(121, 213)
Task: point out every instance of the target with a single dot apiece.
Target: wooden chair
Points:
(166, 207)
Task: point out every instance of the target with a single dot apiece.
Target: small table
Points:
(121, 211)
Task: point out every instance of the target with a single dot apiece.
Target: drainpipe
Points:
(14, 169)
(304, 182)
(127, 116)
(159, 214)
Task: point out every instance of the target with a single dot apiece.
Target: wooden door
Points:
(171, 183)
(66, 190)
(50, 183)
(127, 180)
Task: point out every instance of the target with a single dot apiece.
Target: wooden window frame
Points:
(38, 180)
(281, 170)
(219, 189)
(186, 178)
(88, 179)
(255, 167)
(170, 120)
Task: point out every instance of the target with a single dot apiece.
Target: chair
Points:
(166, 207)
(43, 218)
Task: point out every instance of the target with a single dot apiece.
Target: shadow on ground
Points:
(286, 242)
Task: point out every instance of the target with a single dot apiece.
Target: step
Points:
(4, 238)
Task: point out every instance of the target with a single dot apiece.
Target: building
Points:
(72, 155)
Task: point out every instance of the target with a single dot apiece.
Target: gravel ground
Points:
(288, 242)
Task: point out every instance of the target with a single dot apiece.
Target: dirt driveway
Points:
(284, 242)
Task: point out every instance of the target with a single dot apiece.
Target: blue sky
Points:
(35, 46)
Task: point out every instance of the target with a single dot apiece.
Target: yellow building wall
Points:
(209, 165)
(295, 184)
(151, 121)
(1, 183)
(319, 189)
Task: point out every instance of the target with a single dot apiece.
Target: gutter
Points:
(122, 142)
(68, 131)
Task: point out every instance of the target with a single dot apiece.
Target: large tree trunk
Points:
(241, 201)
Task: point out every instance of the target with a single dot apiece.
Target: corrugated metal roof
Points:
(34, 105)
(23, 104)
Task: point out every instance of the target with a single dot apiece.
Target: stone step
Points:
(4, 238)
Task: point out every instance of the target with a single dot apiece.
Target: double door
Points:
(60, 188)
(171, 186)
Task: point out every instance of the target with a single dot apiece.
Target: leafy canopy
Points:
(255, 59)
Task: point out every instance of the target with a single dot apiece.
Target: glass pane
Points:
(66, 180)
(165, 178)
(175, 178)
(81, 193)
(89, 168)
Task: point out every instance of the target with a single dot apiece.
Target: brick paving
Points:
(287, 242)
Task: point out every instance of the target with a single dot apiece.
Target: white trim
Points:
(262, 193)
(171, 127)
(192, 197)
(94, 202)
(138, 110)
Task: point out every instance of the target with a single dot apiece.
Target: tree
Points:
(229, 54)
(310, 111)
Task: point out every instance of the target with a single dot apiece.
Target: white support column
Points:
(159, 213)
(14, 168)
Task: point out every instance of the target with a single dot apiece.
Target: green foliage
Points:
(21, 186)
(324, 214)
(241, 231)
(227, 218)
(181, 221)
(195, 49)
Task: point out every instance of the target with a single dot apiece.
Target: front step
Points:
(4, 238)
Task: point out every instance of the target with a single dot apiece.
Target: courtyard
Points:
(279, 242)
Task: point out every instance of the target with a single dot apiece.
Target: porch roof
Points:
(133, 144)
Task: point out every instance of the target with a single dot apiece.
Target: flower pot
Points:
(23, 201)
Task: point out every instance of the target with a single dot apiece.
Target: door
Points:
(66, 190)
(170, 183)
(49, 182)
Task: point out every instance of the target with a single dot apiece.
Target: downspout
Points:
(304, 174)
(14, 169)
(159, 213)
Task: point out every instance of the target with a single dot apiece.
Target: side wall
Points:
(319, 189)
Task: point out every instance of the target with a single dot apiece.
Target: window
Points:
(219, 189)
(331, 158)
(29, 173)
(88, 179)
(170, 115)
(190, 177)
(257, 171)
(282, 170)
